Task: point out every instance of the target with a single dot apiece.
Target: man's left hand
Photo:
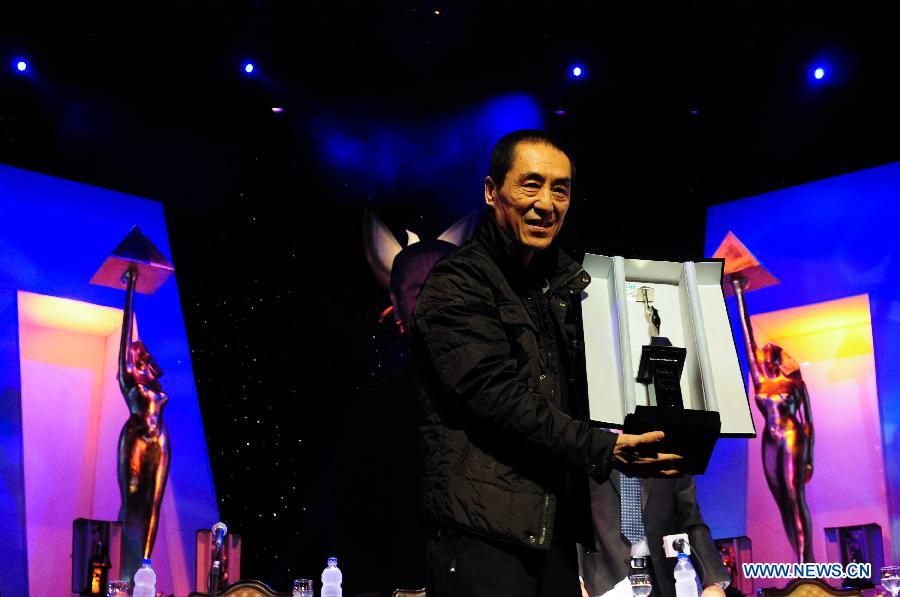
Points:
(713, 591)
(637, 456)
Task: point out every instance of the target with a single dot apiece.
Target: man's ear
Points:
(490, 188)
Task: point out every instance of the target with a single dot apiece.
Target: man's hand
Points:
(638, 455)
(713, 591)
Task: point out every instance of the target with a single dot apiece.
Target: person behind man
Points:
(668, 507)
(500, 372)
(376, 496)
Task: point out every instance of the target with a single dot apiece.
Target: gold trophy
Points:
(781, 396)
(144, 450)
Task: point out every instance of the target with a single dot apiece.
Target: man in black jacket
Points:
(500, 360)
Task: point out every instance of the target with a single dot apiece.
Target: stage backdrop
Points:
(60, 408)
(833, 245)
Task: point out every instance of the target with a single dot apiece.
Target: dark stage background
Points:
(393, 107)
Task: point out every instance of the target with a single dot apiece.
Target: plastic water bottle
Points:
(331, 579)
(145, 580)
(685, 577)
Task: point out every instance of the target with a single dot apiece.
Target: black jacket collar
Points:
(552, 265)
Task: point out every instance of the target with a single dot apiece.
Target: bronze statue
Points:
(144, 449)
(787, 440)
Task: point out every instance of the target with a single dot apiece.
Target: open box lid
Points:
(691, 305)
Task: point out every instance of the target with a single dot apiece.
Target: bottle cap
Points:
(145, 562)
(332, 561)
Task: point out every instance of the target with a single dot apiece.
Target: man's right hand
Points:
(638, 456)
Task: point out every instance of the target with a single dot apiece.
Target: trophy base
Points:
(660, 368)
(691, 433)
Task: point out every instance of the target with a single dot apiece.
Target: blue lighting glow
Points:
(248, 67)
(398, 155)
(577, 71)
(819, 73)
(21, 66)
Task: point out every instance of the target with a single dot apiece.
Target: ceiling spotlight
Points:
(248, 67)
(577, 71)
(821, 72)
(21, 65)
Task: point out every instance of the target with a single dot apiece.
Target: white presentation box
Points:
(691, 306)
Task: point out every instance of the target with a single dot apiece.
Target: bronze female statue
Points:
(144, 448)
(787, 440)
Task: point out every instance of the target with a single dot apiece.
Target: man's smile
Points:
(537, 223)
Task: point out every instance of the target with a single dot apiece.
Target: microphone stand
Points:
(212, 581)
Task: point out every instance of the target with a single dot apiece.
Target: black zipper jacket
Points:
(492, 341)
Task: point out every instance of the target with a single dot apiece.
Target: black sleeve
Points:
(470, 355)
(704, 554)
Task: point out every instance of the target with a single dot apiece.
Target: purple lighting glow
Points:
(277, 109)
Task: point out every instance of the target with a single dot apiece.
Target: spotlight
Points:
(577, 71)
(21, 65)
(248, 67)
(821, 72)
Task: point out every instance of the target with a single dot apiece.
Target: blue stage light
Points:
(21, 65)
(248, 67)
(821, 72)
(577, 71)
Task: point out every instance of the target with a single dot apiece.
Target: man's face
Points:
(533, 201)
